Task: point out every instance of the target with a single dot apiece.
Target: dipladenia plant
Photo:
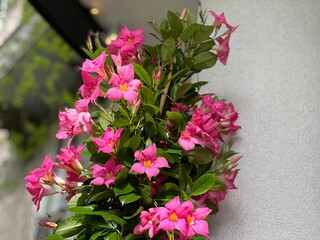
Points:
(160, 152)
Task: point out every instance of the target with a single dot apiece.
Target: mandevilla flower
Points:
(173, 216)
(124, 86)
(106, 174)
(196, 220)
(96, 65)
(223, 49)
(148, 162)
(91, 86)
(126, 45)
(73, 122)
(149, 221)
(107, 143)
(70, 159)
(190, 136)
(42, 175)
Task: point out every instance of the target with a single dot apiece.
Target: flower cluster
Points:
(160, 152)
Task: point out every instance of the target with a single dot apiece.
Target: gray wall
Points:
(273, 79)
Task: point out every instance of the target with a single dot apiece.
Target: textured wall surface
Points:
(273, 78)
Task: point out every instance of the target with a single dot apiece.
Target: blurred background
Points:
(40, 53)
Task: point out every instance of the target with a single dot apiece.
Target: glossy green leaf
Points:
(135, 214)
(55, 237)
(129, 198)
(163, 153)
(133, 142)
(123, 189)
(174, 21)
(182, 90)
(142, 74)
(183, 178)
(203, 33)
(204, 60)
(168, 48)
(147, 95)
(121, 122)
(70, 226)
(111, 236)
(200, 155)
(204, 46)
(77, 200)
(150, 126)
(176, 117)
(103, 120)
(190, 31)
(151, 109)
(202, 184)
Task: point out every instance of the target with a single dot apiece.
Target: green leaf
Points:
(122, 189)
(202, 184)
(204, 60)
(203, 33)
(174, 21)
(183, 178)
(132, 237)
(199, 155)
(151, 109)
(150, 126)
(103, 120)
(142, 74)
(176, 117)
(121, 122)
(135, 214)
(70, 226)
(182, 90)
(129, 198)
(147, 95)
(105, 194)
(77, 200)
(55, 237)
(111, 236)
(204, 46)
(96, 235)
(133, 142)
(122, 175)
(189, 31)
(168, 48)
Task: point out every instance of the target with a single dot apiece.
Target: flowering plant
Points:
(160, 152)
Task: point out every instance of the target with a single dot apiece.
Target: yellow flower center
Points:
(130, 41)
(173, 217)
(190, 219)
(147, 163)
(111, 143)
(124, 87)
(109, 175)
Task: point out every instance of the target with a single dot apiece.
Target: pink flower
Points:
(228, 179)
(106, 174)
(124, 48)
(228, 117)
(107, 143)
(91, 87)
(124, 86)
(149, 220)
(37, 191)
(148, 162)
(42, 175)
(70, 159)
(220, 19)
(190, 136)
(196, 220)
(73, 122)
(96, 65)
(223, 49)
(173, 216)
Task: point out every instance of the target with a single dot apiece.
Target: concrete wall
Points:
(273, 79)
